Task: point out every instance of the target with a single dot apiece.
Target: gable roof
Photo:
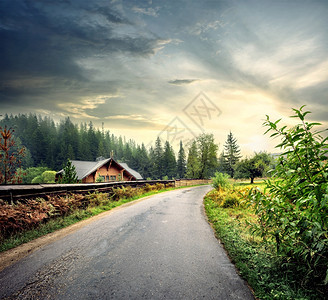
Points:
(131, 171)
(85, 168)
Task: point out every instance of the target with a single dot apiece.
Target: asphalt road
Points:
(159, 248)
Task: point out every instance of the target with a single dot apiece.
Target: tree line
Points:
(48, 145)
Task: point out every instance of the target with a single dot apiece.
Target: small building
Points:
(108, 169)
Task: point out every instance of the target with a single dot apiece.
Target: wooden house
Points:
(108, 169)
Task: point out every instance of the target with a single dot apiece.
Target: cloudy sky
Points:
(171, 68)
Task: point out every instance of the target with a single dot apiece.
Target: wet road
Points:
(159, 248)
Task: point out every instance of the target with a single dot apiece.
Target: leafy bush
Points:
(126, 192)
(45, 177)
(221, 181)
(230, 198)
(96, 199)
(160, 186)
(29, 214)
(100, 179)
(31, 173)
(37, 180)
(147, 188)
(294, 214)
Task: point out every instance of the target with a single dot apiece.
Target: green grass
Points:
(65, 221)
(257, 183)
(255, 260)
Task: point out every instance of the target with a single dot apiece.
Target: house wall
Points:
(88, 179)
(112, 171)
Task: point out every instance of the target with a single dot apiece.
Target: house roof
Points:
(131, 171)
(85, 168)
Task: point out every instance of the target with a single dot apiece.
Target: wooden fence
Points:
(188, 182)
(15, 192)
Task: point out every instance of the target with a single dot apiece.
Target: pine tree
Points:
(127, 154)
(152, 163)
(181, 164)
(231, 154)
(69, 175)
(141, 161)
(158, 160)
(193, 165)
(169, 161)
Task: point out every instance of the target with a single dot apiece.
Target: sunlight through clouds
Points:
(136, 66)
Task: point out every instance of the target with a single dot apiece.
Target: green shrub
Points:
(37, 180)
(125, 192)
(294, 213)
(100, 179)
(147, 188)
(160, 186)
(96, 199)
(48, 176)
(221, 181)
(231, 200)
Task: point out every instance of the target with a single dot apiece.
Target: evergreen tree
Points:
(231, 155)
(69, 175)
(158, 160)
(101, 149)
(141, 162)
(169, 161)
(120, 149)
(92, 141)
(193, 165)
(49, 144)
(127, 154)
(181, 164)
(84, 152)
(152, 163)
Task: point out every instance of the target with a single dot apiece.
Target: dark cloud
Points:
(42, 41)
(54, 52)
(182, 81)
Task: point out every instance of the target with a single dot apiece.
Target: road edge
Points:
(11, 256)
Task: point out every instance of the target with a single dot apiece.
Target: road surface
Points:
(159, 248)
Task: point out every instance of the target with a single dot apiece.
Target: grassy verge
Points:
(256, 262)
(102, 205)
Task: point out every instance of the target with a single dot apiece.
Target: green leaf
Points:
(326, 279)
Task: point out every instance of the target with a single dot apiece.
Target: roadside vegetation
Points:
(31, 218)
(277, 234)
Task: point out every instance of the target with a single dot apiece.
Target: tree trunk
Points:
(252, 180)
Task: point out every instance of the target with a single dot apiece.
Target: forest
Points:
(48, 145)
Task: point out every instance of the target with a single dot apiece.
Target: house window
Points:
(112, 177)
(107, 178)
